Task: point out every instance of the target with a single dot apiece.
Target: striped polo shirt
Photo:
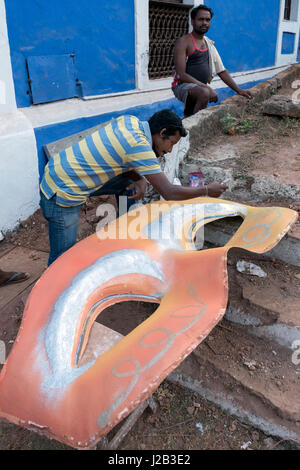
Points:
(123, 144)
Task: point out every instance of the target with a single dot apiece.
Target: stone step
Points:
(250, 186)
(249, 377)
(287, 250)
(269, 306)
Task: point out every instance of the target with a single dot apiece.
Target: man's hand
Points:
(245, 93)
(228, 80)
(139, 187)
(171, 192)
(216, 189)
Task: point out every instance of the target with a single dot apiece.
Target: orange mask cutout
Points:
(50, 385)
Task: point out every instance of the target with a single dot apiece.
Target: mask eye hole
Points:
(216, 233)
(109, 327)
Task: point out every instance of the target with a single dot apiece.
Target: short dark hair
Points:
(201, 7)
(166, 119)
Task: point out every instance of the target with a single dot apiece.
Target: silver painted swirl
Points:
(59, 335)
(167, 227)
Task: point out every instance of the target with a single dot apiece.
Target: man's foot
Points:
(12, 277)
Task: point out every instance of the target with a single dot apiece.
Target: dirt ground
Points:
(184, 420)
(271, 148)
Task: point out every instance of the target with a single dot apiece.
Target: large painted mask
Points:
(73, 380)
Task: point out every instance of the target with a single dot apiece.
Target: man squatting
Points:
(197, 61)
(117, 158)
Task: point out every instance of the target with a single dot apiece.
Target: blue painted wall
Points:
(245, 32)
(99, 33)
(47, 134)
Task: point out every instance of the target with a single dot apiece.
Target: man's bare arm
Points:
(172, 192)
(228, 80)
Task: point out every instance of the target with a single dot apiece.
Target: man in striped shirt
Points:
(114, 159)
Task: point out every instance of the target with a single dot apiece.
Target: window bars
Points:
(168, 21)
(287, 9)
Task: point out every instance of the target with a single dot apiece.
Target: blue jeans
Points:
(63, 221)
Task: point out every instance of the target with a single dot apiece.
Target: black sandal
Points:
(13, 280)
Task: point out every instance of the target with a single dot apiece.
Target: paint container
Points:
(196, 179)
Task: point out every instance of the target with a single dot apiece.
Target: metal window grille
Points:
(167, 22)
(287, 9)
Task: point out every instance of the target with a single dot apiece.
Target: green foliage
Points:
(245, 125)
(228, 122)
(231, 124)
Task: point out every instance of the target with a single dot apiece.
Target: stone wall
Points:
(205, 123)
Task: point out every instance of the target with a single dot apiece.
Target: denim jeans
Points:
(63, 221)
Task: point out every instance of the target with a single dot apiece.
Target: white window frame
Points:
(288, 26)
(142, 47)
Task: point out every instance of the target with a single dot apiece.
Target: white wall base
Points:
(19, 178)
(67, 110)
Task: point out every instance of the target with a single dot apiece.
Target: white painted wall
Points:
(19, 182)
(19, 194)
(141, 11)
(7, 92)
(288, 26)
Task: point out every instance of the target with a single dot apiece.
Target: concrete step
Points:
(249, 365)
(252, 378)
(269, 307)
(287, 250)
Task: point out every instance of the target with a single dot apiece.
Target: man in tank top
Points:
(197, 61)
